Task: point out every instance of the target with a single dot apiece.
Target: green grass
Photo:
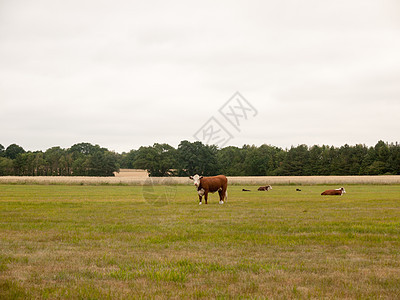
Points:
(119, 242)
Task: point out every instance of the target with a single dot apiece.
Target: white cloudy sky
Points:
(123, 74)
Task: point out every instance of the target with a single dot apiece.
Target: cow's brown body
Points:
(211, 185)
(338, 192)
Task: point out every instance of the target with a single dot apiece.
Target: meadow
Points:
(120, 242)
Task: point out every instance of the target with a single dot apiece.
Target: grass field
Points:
(121, 242)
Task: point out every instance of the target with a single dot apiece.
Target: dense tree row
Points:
(82, 159)
(189, 158)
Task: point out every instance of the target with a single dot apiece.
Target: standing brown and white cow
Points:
(339, 192)
(212, 184)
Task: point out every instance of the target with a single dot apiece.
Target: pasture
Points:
(121, 242)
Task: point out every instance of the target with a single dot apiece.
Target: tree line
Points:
(85, 159)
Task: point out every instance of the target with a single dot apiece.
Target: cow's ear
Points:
(191, 177)
(201, 177)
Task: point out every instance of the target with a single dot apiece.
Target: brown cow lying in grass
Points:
(265, 188)
(340, 192)
(213, 184)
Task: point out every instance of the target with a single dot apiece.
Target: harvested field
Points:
(251, 180)
(310, 180)
(132, 173)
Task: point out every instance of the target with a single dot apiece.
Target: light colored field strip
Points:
(251, 180)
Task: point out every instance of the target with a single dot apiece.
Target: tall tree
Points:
(53, 157)
(6, 166)
(103, 163)
(231, 161)
(82, 149)
(296, 162)
(158, 160)
(394, 159)
(197, 158)
(13, 150)
(126, 160)
(263, 160)
(39, 164)
(81, 166)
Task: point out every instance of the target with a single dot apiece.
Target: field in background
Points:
(132, 173)
(121, 242)
(256, 180)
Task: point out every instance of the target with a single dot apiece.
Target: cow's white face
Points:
(342, 189)
(196, 179)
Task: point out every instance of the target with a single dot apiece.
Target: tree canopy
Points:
(189, 158)
(80, 160)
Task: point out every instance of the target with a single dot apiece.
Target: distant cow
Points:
(340, 192)
(213, 184)
(298, 190)
(265, 188)
(245, 190)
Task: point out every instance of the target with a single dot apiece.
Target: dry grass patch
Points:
(246, 180)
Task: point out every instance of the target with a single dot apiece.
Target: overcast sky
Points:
(124, 74)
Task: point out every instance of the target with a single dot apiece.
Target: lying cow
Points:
(340, 192)
(265, 188)
(213, 184)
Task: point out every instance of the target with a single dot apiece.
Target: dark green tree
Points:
(21, 164)
(316, 160)
(376, 160)
(297, 162)
(197, 158)
(102, 163)
(231, 161)
(39, 164)
(343, 160)
(262, 161)
(53, 158)
(383, 155)
(394, 159)
(159, 160)
(357, 154)
(82, 149)
(127, 160)
(13, 150)
(85, 159)
(6, 166)
(81, 166)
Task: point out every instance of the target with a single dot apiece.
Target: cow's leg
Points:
(200, 200)
(205, 196)
(221, 196)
